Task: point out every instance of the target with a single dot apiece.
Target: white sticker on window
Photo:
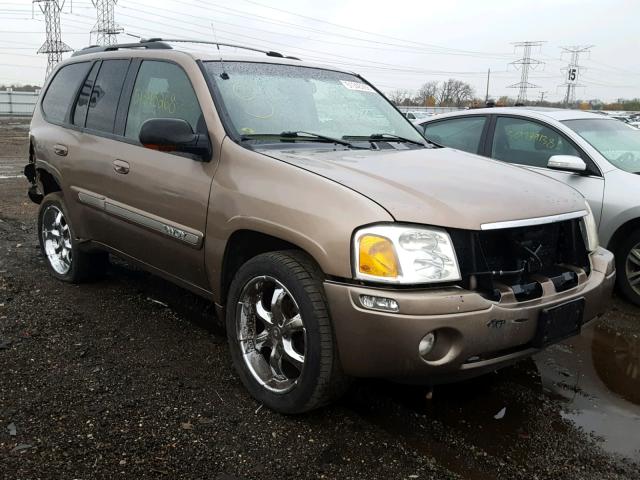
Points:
(360, 87)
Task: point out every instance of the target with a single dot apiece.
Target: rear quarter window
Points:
(62, 90)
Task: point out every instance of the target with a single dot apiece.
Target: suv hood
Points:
(442, 186)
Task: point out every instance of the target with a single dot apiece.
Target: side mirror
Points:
(569, 163)
(174, 135)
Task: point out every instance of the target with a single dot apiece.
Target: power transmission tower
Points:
(572, 71)
(106, 28)
(523, 65)
(53, 46)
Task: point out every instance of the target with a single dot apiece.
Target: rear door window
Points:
(60, 94)
(106, 95)
(525, 142)
(461, 133)
(82, 104)
(163, 90)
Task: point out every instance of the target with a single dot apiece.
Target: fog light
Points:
(379, 303)
(426, 344)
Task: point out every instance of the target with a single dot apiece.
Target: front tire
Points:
(64, 259)
(280, 333)
(628, 267)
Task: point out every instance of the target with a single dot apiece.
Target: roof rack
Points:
(161, 44)
(151, 45)
(270, 53)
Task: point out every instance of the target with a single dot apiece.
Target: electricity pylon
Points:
(572, 71)
(524, 64)
(106, 28)
(53, 46)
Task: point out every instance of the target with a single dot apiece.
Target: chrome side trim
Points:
(92, 200)
(170, 229)
(527, 222)
(151, 223)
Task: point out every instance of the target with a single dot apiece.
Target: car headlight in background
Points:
(404, 254)
(589, 229)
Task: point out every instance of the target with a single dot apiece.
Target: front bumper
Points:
(477, 335)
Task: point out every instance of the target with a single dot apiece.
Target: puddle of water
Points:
(590, 383)
(597, 375)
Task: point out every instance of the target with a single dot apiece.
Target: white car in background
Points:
(597, 155)
(415, 116)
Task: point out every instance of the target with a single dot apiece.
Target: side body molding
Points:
(138, 217)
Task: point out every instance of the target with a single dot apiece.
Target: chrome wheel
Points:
(633, 268)
(271, 334)
(56, 239)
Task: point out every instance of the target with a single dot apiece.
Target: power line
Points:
(53, 46)
(369, 44)
(314, 19)
(523, 64)
(305, 51)
(572, 71)
(434, 49)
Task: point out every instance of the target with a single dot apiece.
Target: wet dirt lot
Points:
(130, 378)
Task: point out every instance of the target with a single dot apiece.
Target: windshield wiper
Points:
(299, 135)
(392, 137)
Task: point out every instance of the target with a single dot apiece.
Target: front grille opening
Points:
(521, 258)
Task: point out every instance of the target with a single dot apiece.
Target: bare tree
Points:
(455, 93)
(398, 96)
(463, 94)
(427, 92)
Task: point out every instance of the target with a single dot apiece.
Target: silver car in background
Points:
(597, 155)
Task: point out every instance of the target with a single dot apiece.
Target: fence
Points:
(17, 103)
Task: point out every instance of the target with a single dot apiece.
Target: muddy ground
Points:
(105, 381)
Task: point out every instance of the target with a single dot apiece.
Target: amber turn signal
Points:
(377, 257)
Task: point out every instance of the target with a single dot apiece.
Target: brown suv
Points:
(332, 238)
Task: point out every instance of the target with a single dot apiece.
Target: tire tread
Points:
(331, 382)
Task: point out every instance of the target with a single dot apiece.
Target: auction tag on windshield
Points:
(360, 87)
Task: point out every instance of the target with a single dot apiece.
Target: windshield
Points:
(616, 141)
(269, 99)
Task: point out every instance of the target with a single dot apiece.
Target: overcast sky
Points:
(399, 44)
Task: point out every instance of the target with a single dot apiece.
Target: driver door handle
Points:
(121, 167)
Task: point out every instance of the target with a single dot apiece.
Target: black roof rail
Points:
(162, 44)
(269, 53)
(151, 45)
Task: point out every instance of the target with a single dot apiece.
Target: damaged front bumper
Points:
(473, 334)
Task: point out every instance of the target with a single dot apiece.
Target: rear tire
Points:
(628, 267)
(280, 333)
(65, 260)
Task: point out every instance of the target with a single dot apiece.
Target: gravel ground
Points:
(131, 378)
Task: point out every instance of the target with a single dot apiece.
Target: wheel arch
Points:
(47, 182)
(246, 243)
(621, 232)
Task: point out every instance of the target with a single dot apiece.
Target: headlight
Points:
(404, 254)
(589, 229)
